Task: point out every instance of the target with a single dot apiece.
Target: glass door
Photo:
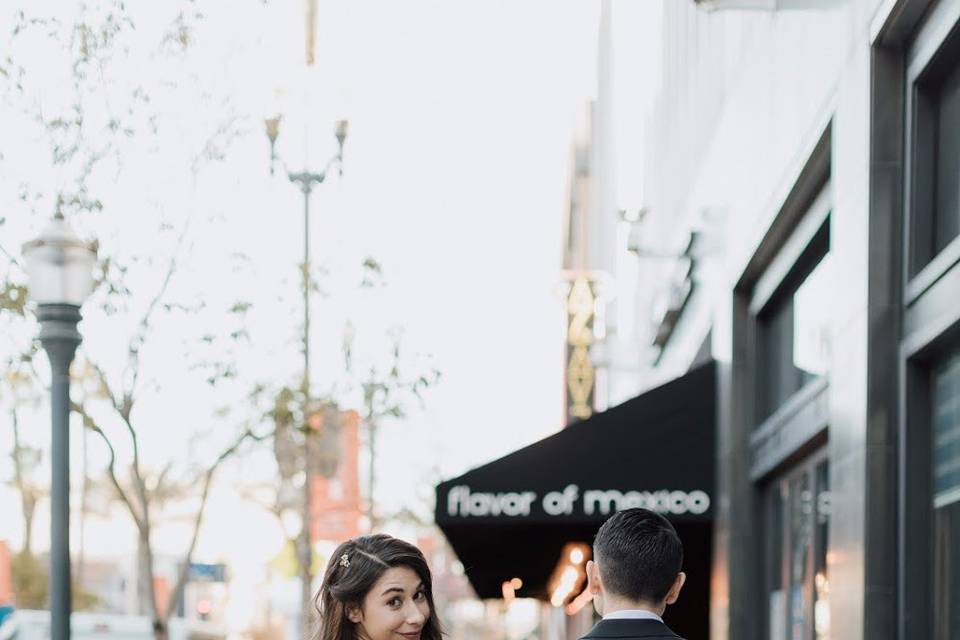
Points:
(797, 524)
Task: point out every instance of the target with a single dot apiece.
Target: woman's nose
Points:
(414, 614)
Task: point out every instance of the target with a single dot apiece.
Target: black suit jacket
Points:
(627, 629)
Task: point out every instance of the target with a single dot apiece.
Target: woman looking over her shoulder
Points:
(377, 588)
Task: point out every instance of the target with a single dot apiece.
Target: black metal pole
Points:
(306, 180)
(60, 338)
(306, 576)
(307, 188)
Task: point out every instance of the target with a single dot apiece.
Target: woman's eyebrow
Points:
(400, 590)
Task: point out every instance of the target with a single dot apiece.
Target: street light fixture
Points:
(306, 180)
(60, 277)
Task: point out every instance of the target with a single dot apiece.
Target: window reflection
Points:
(793, 338)
(801, 506)
(946, 572)
(821, 583)
(812, 309)
(936, 147)
(776, 602)
(946, 499)
(797, 578)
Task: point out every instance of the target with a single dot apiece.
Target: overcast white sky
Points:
(461, 115)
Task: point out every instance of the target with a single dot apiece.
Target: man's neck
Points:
(612, 604)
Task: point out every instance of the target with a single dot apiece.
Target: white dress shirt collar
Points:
(632, 614)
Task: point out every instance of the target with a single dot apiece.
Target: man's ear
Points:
(354, 614)
(595, 586)
(593, 577)
(674, 592)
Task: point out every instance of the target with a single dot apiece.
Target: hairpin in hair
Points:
(345, 560)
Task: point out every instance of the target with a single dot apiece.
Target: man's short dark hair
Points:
(639, 555)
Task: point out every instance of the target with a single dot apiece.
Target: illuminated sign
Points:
(571, 501)
(581, 303)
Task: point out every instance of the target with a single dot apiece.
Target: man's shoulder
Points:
(626, 629)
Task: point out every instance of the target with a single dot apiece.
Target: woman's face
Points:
(395, 608)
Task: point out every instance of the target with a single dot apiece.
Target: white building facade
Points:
(786, 201)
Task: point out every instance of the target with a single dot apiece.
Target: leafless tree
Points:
(105, 116)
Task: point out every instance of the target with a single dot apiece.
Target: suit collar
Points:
(619, 628)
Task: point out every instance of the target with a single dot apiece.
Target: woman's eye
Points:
(419, 595)
(393, 602)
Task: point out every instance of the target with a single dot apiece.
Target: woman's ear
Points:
(354, 614)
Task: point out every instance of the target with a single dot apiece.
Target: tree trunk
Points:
(28, 499)
(146, 591)
(28, 508)
(149, 591)
(160, 629)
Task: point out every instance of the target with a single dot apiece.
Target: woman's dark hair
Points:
(347, 582)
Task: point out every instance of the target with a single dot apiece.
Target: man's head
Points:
(637, 557)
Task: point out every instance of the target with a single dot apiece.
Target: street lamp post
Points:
(60, 273)
(306, 180)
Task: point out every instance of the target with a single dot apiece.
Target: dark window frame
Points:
(799, 422)
(779, 303)
(934, 45)
(919, 363)
(929, 322)
(742, 525)
(912, 313)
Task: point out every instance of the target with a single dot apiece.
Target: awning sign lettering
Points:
(464, 503)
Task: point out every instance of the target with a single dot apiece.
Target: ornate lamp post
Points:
(60, 273)
(306, 180)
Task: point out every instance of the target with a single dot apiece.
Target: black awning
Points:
(511, 517)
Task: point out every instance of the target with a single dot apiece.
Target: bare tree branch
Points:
(273, 508)
(175, 594)
(28, 495)
(10, 256)
(162, 478)
(143, 516)
(132, 370)
(91, 424)
(105, 384)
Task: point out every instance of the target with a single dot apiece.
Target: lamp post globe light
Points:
(60, 277)
(305, 180)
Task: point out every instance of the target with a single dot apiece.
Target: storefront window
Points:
(946, 499)
(798, 517)
(801, 534)
(776, 600)
(937, 155)
(793, 346)
(821, 585)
